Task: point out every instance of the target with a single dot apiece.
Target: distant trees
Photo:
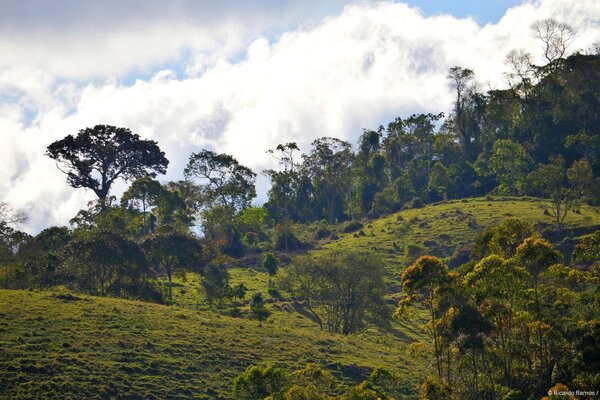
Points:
(343, 290)
(105, 262)
(173, 252)
(258, 309)
(328, 166)
(96, 157)
(271, 264)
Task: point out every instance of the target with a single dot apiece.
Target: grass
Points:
(75, 346)
(442, 229)
(89, 347)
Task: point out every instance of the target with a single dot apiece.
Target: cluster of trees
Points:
(123, 248)
(514, 322)
(342, 290)
(315, 383)
(539, 137)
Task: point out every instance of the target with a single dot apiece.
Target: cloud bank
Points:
(230, 84)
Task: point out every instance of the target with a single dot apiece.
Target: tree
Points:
(328, 165)
(467, 108)
(225, 181)
(258, 309)
(502, 239)
(215, 283)
(555, 37)
(549, 180)
(9, 217)
(499, 287)
(509, 162)
(142, 194)
(258, 383)
(283, 191)
(343, 290)
(581, 180)
(173, 252)
(271, 264)
(423, 280)
(98, 156)
(105, 262)
(587, 251)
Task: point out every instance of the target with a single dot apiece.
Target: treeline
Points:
(539, 137)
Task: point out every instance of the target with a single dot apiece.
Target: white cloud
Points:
(359, 69)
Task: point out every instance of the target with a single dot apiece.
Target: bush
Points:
(321, 233)
(352, 226)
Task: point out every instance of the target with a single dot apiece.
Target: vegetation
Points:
(480, 228)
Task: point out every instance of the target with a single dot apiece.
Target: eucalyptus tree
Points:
(329, 167)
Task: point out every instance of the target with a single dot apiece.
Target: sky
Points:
(239, 76)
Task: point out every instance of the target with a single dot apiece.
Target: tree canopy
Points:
(96, 157)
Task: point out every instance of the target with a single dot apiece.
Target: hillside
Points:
(447, 229)
(61, 345)
(88, 347)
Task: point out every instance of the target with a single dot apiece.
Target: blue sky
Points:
(482, 11)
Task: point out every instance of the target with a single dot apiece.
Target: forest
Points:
(510, 310)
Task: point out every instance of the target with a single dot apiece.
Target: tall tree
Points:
(224, 180)
(423, 280)
(142, 195)
(173, 252)
(328, 165)
(96, 157)
(467, 111)
(556, 37)
(509, 162)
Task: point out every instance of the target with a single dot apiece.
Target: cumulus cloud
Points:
(357, 69)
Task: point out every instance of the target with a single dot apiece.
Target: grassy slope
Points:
(99, 347)
(102, 347)
(442, 228)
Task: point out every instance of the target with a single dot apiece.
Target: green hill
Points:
(449, 228)
(64, 346)
(54, 344)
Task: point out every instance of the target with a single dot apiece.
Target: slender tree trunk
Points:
(169, 277)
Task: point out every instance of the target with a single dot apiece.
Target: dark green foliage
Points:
(271, 264)
(343, 291)
(258, 309)
(98, 156)
(215, 283)
(105, 263)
